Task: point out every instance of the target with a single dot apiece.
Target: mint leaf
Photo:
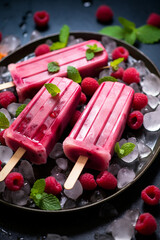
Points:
(115, 64)
(49, 202)
(64, 34)
(52, 89)
(128, 25)
(148, 34)
(89, 54)
(74, 74)
(107, 78)
(125, 149)
(57, 45)
(53, 67)
(92, 49)
(113, 31)
(20, 109)
(130, 37)
(4, 123)
(38, 187)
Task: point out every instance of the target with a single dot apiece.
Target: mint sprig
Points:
(53, 67)
(63, 39)
(52, 89)
(4, 122)
(74, 74)
(107, 78)
(43, 200)
(115, 64)
(92, 50)
(125, 149)
(20, 109)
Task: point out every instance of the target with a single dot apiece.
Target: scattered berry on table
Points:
(52, 186)
(88, 182)
(131, 75)
(135, 119)
(118, 74)
(140, 100)
(75, 118)
(14, 181)
(151, 195)
(120, 52)
(83, 98)
(41, 49)
(154, 20)
(41, 18)
(6, 98)
(89, 86)
(106, 180)
(2, 140)
(146, 224)
(104, 14)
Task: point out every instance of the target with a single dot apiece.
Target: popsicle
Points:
(100, 126)
(28, 76)
(43, 121)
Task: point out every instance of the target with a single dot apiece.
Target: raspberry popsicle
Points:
(30, 75)
(101, 125)
(43, 121)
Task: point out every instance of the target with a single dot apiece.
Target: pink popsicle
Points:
(30, 75)
(100, 126)
(43, 121)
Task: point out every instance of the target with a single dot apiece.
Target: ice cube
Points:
(57, 151)
(9, 44)
(140, 66)
(75, 192)
(20, 197)
(6, 113)
(151, 85)
(135, 87)
(153, 101)
(124, 177)
(151, 121)
(75, 41)
(26, 169)
(105, 72)
(12, 108)
(51, 236)
(132, 215)
(70, 203)
(35, 35)
(134, 154)
(5, 153)
(114, 168)
(103, 236)
(62, 163)
(2, 186)
(143, 149)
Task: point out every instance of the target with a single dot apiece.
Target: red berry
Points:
(88, 182)
(52, 186)
(41, 18)
(0, 165)
(6, 98)
(89, 86)
(118, 74)
(83, 98)
(151, 195)
(131, 75)
(2, 140)
(154, 20)
(104, 14)
(135, 120)
(120, 52)
(0, 36)
(146, 224)
(14, 181)
(75, 118)
(140, 100)
(41, 49)
(106, 180)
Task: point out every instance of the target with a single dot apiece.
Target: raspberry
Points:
(2, 140)
(135, 120)
(120, 52)
(0, 165)
(52, 186)
(146, 224)
(75, 118)
(88, 182)
(140, 100)
(14, 181)
(41, 49)
(41, 18)
(6, 98)
(83, 98)
(154, 20)
(151, 195)
(104, 14)
(106, 180)
(131, 75)
(118, 74)
(89, 86)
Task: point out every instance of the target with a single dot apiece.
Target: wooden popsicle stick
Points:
(11, 163)
(76, 171)
(6, 85)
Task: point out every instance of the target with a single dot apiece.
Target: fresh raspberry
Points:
(83, 98)
(89, 86)
(88, 182)
(135, 120)
(52, 186)
(106, 180)
(0, 36)
(0, 165)
(6, 98)
(120, 52)
(104, 14)
(140, 100)
(14, 181)
(41, 18)
(146, 224)
(75, 118)
(131, 75)
(154, 20)
(41, 49)
(151, 195)
(2, 140)
(118, 74)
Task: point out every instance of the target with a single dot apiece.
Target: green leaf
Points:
(52, 89)
(57, 45)
(20, 109)
(113, 31)
(107, 78)
(92, 49)
(74, 74)
(148, 34)
(128, 25)
(130, 37)
(115, 64)
(53, 67)
(49, 202)
(89, 54)
(64, 34)
(125, 149)
(38, 187)
(4, 122)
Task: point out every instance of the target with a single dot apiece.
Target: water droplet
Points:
(87, 3)
(25, 34)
